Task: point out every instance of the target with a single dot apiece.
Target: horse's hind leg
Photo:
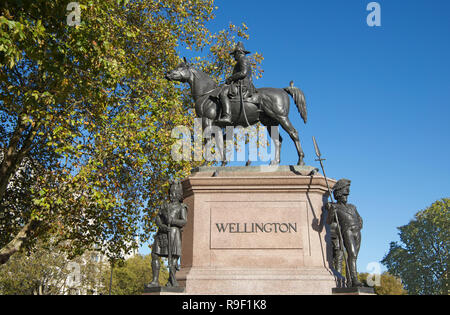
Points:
(277, 140)
(293, 133)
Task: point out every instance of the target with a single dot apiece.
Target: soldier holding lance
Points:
(345, 225)
(350, 224)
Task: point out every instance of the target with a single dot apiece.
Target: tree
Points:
(87, 113)
(48, 271)
(421, 260)
(389, 285)
(130, 277)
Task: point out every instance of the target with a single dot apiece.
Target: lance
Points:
(169, 249)
(341, 240)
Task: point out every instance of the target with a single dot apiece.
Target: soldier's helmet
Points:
(340, 186)
(176, 190)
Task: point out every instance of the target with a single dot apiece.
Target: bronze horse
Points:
(270, 107)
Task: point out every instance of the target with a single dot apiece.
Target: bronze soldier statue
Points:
(350, 224)
(240, 82)
(170, 221)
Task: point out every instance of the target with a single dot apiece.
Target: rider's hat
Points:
(239, 47)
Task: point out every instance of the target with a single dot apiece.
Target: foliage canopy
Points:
(422, 258)
(86, 115)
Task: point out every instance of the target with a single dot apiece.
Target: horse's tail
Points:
(299, 99)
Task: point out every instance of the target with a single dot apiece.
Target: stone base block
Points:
(256, 231)
(240, 281)
(353, 291)
(164, 291)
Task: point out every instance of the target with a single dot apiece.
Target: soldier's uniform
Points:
(336, 246)
(348, 216)
(177, 214)
(350, 223)
(170, 220)
(242, 76)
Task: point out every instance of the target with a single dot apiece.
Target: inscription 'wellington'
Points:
(256, 227)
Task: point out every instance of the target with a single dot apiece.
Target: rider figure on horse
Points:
(240, 80)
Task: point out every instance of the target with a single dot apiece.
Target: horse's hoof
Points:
(274, 163)
(301, 163)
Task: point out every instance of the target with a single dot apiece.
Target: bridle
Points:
(198, 96)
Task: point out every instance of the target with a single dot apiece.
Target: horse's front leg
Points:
(221, 138)
(224, 148)
(209, 129)
(206, 141)
(249, 161)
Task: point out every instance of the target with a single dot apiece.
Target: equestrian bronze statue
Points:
(239, 103)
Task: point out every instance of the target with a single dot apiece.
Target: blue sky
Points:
(378, 98)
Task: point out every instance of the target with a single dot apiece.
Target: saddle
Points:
(235, 98)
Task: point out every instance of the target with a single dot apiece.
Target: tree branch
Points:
(9, 156)
(14, 157)
(16, 244)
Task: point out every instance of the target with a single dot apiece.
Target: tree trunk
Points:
(14, 156)
(16, 244)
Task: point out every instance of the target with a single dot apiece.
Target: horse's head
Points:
(182, 73)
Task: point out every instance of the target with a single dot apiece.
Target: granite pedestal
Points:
(256, 230)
